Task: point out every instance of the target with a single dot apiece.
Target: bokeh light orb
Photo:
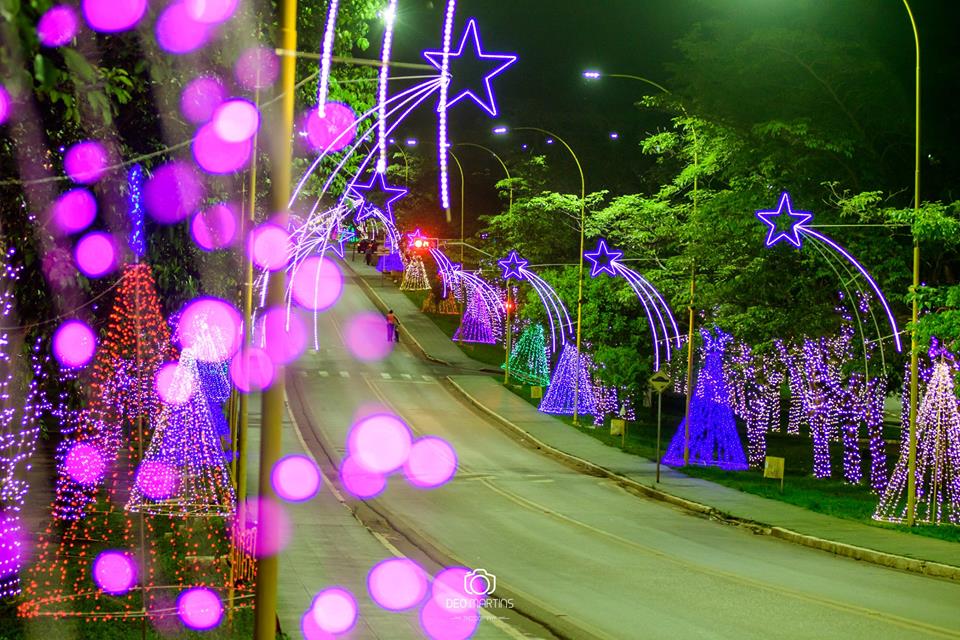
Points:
(74, 344)
(212, 327)
(157, 480)
(115, 572)
(6, 105)
(439, 623)
(336, 129)
(84, 464)
(251, 369)
(236, 120)
(96, 254)
(177, 32)
(267, 541)
(74, 211)
(210, 11)
(57, 26)
(317, 283)
(380, 443)
(397, 584)
(201, 97)
(215, 227)
(217, 156)
(200, 608)
(366, 337)
(282, 335)
(86, 162)
(173, 193)
(257, 68)
(334, 610)
(111, 16)
(296, 478)
(448, 591)
(270, 247)
(174, 385)
(359, 482)
(432, 462)
(310, 629)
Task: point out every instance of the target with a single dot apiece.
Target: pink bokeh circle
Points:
(296, 478)
(267, 540)
(281, 335)
(251, 369)
(449, 592)
(217, 156)
(310, 629)
(432, 462)
(174, 385)
(86, 162)
(270, 247)
(439, 623)
(177, 32)
(366, 337)
(201, 97)
(397, 584)
(57, 26)
(74, 344)
(359, 482)
(380, 443)
(257, 68)
(317, 283)
(236, 120)
(336, 129)
(84, 464)
(115, 572)
(111, 16)
(96, 254)
(5, 105)
(334, 610)
(157, 480)
(210, 11)
(200, 608)
(212, 328)
(173, 193)
(215, 227)
(74, 211)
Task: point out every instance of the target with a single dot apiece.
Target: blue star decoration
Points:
(513, 266)
(603, 260)
(785, 213)
(464, 66)
(336, 244)
(377, 195)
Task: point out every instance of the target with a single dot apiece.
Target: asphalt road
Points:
(589, 556)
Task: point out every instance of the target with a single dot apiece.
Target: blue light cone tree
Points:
(559, 398)
(528, 359)
(713, 433)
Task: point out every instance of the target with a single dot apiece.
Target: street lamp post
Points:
(583, 216)
(596, 75)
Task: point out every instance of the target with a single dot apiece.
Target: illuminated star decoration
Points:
(513, 266)
(378, 195)
(797, 220)
(336, 244)
(459, 63)
(413, 237)
(603, 260)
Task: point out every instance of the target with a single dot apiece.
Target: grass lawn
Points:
(830, 497)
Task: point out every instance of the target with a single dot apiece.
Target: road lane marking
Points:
(385, 375)
(428, 378)
(344, 374)
(406, 376)
(323, 374)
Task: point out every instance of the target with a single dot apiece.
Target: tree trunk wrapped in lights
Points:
(528, 358)
(713, 432)
(559, 398)
(415, 277)
(938, 457)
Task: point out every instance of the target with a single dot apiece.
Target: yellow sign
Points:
(536, 392)
(773, 467)
(660, 381)
(616, 426)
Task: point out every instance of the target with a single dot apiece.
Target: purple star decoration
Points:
(336, 244)
(461, 64)
(513, 266)
(797, 220)
(379, 195)
(603, 260)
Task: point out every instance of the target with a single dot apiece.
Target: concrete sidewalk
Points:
(843, 537)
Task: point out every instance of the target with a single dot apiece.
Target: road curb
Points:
(893, 561)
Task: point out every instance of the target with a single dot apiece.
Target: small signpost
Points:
(773, 468)
(659, 381)
(536, 392)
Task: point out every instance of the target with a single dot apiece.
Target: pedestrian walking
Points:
(391, 326)
(368, 254)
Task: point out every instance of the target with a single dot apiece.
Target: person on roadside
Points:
(391, 326)
(368, 253)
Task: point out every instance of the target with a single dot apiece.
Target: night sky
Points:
(557, 39)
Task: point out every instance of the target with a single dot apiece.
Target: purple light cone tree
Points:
(559, 396)
(713, 433)
(477, 324)
(938, 457)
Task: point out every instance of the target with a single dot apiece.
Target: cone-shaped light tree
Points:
(528, 358)
(559, 398)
